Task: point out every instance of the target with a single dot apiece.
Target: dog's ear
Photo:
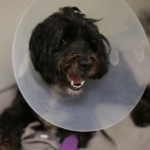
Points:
(103, 50)
(35, 47)
(40, 50)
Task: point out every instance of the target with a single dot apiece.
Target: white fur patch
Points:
(72, 92)
(69, 91)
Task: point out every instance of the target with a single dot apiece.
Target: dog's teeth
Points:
(72, 83)
(82, 82)
(77, 86)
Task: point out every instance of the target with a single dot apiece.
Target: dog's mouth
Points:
(76, 82)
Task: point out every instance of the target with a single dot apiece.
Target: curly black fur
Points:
(12, 122)
(65, 43)
(141, 113)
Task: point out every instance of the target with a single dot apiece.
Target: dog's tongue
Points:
(75, 79)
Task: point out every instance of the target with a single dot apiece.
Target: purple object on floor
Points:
(70, 143)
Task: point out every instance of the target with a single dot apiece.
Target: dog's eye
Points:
(93, 41)
(64, 42)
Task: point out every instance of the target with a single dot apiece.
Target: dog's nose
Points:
(85, 64)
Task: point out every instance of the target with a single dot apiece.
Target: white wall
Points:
(10, 14)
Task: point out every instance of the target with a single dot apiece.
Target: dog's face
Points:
(67, 47)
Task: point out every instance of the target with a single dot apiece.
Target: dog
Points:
(65, 49)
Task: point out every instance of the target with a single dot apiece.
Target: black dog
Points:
(65, 48)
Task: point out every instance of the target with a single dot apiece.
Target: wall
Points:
(10, 14)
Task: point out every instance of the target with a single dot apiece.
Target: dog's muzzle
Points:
(76, 81)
